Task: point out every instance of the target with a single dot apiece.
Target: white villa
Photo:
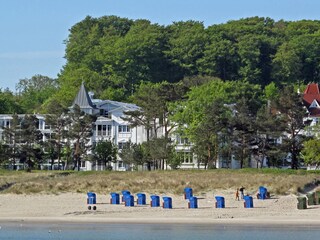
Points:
(109, 125)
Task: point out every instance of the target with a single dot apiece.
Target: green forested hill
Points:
(114, 55)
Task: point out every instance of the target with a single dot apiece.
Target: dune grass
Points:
(280, 182)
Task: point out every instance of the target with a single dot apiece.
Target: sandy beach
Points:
(72, 207)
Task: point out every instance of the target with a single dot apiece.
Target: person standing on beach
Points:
(242, 192)
(237, 194)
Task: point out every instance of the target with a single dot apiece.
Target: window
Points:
(109, 130)
(120, 164)
(124, 129)
(47, 127)
(185, 157)
(38, 124)
(83, 164)
(188, 157)
(99, 130)
(5, 123)
(103, 130)
(182, 140)
(104, 113)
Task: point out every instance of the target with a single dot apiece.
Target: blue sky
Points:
(33, 31)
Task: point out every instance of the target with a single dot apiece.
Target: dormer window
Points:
(314, 104)
(104, 113)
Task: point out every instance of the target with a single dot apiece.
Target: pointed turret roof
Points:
(82, 99)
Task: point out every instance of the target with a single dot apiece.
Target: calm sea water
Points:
(154, 232)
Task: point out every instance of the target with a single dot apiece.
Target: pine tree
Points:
(243, 132)
(57, 120)
(292, 112)
(31, 141)
(80, 132)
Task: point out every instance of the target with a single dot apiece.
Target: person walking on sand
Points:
(242, 192)
(237, 194)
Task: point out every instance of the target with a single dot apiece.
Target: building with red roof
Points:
(311, 99)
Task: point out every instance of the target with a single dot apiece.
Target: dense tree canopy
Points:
(114, 55)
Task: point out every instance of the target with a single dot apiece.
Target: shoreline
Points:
(274, 223)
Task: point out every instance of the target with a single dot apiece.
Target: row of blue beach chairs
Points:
(128, 199)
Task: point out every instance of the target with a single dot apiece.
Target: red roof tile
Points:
(312, 88)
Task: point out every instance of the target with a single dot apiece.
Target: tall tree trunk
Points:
(149, 166)
(243, 153)
(210, 160)
(52, 163)
(78, 163)
(294, 159)
(59, 153)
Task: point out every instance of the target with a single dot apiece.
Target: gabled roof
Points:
(314, 104)
(311, 93)
(82, 99)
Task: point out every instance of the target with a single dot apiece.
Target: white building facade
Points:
(110, 125)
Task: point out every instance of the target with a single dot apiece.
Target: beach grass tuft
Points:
(280, 182)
